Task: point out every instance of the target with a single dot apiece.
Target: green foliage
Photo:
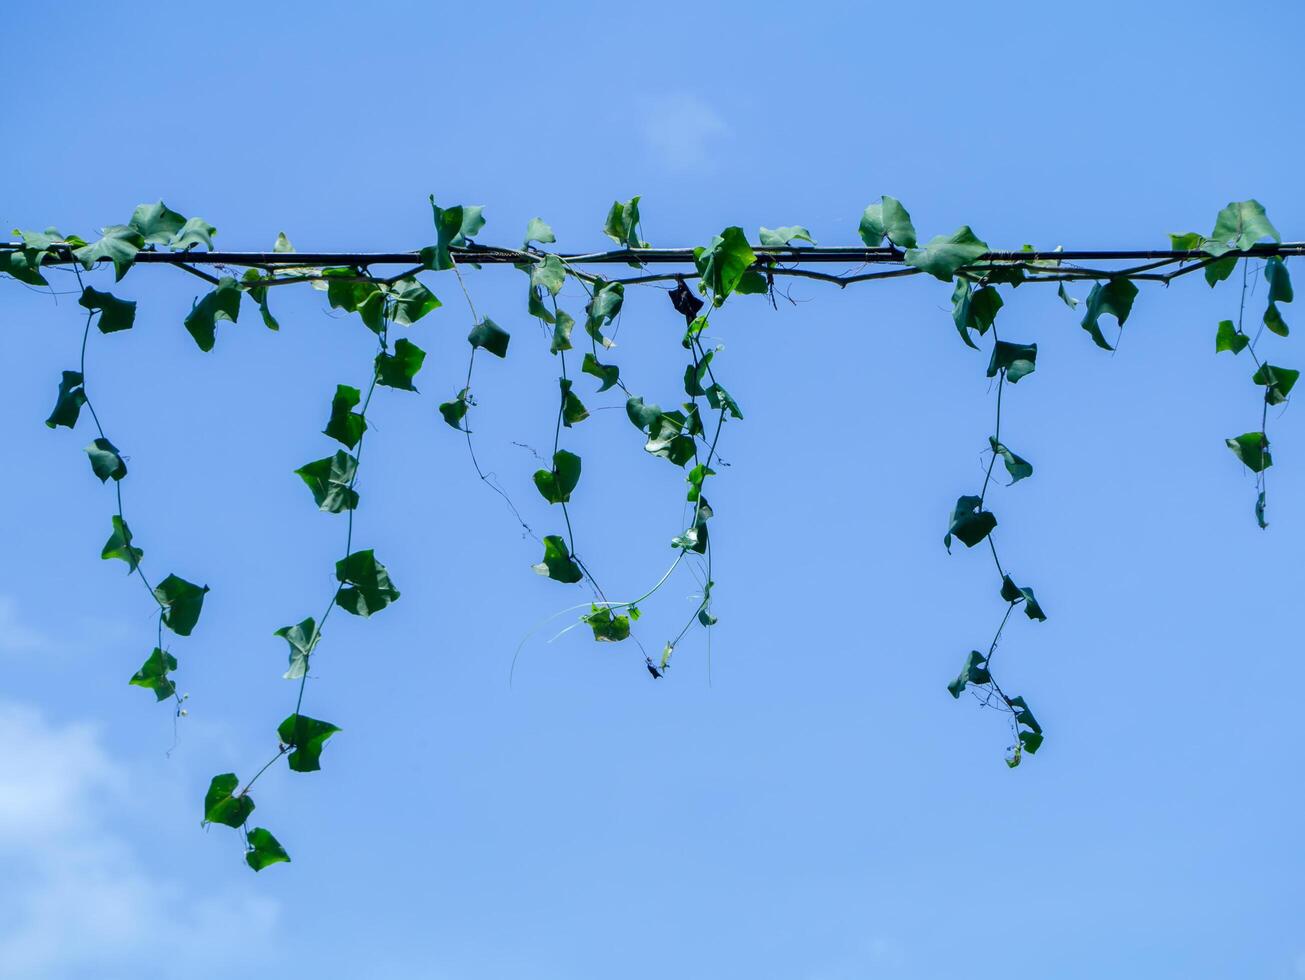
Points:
(118, 244)
(1017, 360)
(970, 522)
(182, 602)
(1114, 298)
(608, 374)
(887, 219)
(365, 586)
(573, 410)
(555, 485)
(1277, 381)
(946, 254)
(455, 411)
(1018, 467)
(1228, 337)
(153, 675)
(119, 546)
(346, 425)
(723, 262)
(1252, 449)
(622, 224)
(307, 736)
(490, 336)
(1014, 593)
(68, 406)
(607, 627)
(398, 369)
(780, 237)
(330, 481)
(975, 672)
(115, 314)
(558, 563)
(263, 849)
(222, 804)
(453, 226)
(106, 463)
(302, 637)
(223, 303)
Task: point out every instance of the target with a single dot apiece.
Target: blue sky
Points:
(822, 810)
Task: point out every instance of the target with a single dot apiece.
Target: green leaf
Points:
(556, 485)
(398, 369)
(1274, 321)
(1228, 337)
(558, 564)
(302, 638)
(1023, 716)
(548, 273)
(119, 245)
(196, 231)
(563, 323)
(1259, 511)
(251, 282)
(307, 736)
(666, 438)
(181, 602)
(412, 301)
(1187, 242)
(1017, 360)
(695, 480)
(722, 263)
(975, 671)
(984, 306)
(491, 336)
(365, 584)
(1241, 225)
(1014, 593)
(640, 413)
(263, 849)
(115, 314)
(622, 225)
(153, 675)
(695, 538)
(24, 264)
(535, 305)
(330, 481)
(970, 524)
(68, 406)
(1114, 298)
(539, 231)
(695, 375)
(345, 292)
(603, 309)
(156, 222)
(573, 410)
(453, 226)
(1279, 280)
(345, 425)
(945, 254)
(607, 627)
(1220, 269)
(887, 219)
(1065, 298)
(1278, 382)
(119, 545)
(455, 411)
(1030, 742)
(223, 303)
(105, 460)
(779, 237)
(718, 398)
(609, 374)
(1252, 449)
(962, 296)
(1018, 467)
(221, 807)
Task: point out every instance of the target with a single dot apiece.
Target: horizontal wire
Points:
(766, 256)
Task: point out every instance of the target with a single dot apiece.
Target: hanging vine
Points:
(698, 283)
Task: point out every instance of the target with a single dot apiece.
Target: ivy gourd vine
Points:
(698, 282)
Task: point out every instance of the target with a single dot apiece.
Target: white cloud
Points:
(77, 892)
(682, 131)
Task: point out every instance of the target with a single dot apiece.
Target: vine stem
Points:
(117, 487)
